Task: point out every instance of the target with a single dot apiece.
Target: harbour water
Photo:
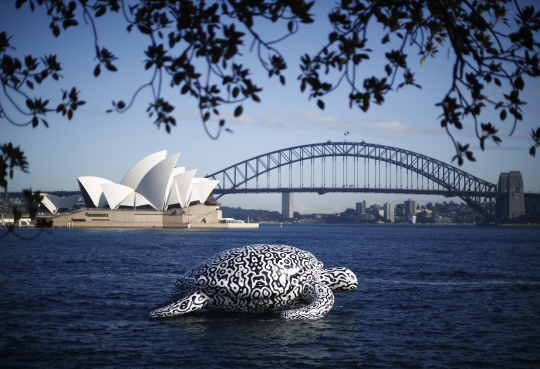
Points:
(428, 296)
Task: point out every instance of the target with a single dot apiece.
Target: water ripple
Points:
(437, 297)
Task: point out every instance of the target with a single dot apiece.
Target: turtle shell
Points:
(253, 278)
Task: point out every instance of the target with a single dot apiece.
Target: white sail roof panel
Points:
(51, 202)
(68, 202)
(155, 183)
(184, 185)
(135, 175)
(92, 186)
(204, 189)
(115, 193)
(135, 199)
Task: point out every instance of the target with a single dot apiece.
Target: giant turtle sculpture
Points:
(258, 278)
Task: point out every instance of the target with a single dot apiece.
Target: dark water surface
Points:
(429, 296)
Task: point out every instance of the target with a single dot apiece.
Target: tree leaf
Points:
(144, 29)
(69, 23)
(519, 83)
(238, 111)
(101, 10)
(19, 3)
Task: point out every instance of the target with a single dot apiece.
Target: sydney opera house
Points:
(153, 193)
(154, 182)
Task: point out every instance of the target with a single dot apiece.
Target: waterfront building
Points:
(361, 207)
(153, 183)
(154, 193)
(410, 207)
(389, 212)
(287, 205)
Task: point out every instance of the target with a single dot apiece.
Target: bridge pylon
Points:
(511, 196)
(287, 204)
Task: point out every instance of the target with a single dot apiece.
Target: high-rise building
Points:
(410, 207)
(287, 204)
(361, 207)
(389, 212)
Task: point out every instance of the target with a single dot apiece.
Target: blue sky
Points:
(107, 145)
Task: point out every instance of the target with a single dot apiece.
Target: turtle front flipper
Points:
(194, 301)
(319, 300)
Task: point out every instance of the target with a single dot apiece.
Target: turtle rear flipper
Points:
(196, 300)
(162, 303)
(173, 297)
(319, 300)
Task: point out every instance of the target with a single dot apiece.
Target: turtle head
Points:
(339, 279)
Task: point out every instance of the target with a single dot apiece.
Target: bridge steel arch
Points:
(449, 180)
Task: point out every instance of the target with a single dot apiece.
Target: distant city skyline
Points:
(285, 117)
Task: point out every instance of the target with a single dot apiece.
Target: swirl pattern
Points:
(258, 278)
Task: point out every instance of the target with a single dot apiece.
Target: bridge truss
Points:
(18, 197)
(354, 167)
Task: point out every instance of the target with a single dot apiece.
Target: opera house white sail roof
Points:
(54, 203)
(154, 181)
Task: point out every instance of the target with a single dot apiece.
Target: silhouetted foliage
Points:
(347, 216)
(253, 214)
(12, 158)
(487, 48)
(422, 217)
(18, 80)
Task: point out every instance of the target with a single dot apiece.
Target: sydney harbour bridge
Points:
(354, 167)
(350, 167)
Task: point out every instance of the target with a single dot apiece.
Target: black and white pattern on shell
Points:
(258, 278)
